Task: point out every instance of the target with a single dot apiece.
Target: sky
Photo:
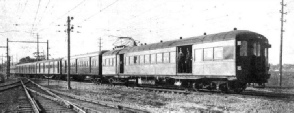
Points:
(146, 21)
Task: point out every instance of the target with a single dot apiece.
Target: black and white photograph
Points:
(146, 56)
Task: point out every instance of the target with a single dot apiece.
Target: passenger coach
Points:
(224, 61)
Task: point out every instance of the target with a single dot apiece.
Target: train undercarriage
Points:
(222, 84)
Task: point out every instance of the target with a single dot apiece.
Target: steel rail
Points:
(34, 105)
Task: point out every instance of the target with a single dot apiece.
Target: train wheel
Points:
(237, 87)
(224, 88)
(111, 81)
(97, 81)
(195, 86)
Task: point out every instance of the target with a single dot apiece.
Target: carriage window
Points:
(43, 67)
(39, 68)
(258, 49)
(254, 49)
(172, 57)
(159, 58)
(131, 60)
(94, 62)
(57, 67)
(166, 57)
(135, 59)
(147, 59)
(198, 55)
(208, 54)
(218, 53)
(243, 48)
(113, 61)
(127, 60)
(153, 58)
(141, 59)
(229, 52)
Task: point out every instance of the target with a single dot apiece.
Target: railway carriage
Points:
(223, 61)
(84, 65)
(25, 69)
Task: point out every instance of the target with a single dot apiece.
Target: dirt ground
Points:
(268, 100)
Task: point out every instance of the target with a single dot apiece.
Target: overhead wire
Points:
(88, 18)
(71, 9)
(44, 11)
(36, 15)
(63, 15)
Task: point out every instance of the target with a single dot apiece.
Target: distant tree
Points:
(26, 60)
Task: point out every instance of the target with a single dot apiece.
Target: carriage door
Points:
(184, 59)
(249, 59)
(121, 63)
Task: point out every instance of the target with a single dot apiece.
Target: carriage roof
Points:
(187, 41)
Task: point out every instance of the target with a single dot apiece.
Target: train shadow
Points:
(271, 95)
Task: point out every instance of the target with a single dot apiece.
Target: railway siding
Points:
(67, 103)
(88, 104)
(108, 104)
(9, 86)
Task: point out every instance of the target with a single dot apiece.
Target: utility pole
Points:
(47, 50)
(281, 45)
(2, 63)
(99, 44)
(69, 28)
(8, 60)
(38, 47)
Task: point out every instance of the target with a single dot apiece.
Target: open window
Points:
(184, 59)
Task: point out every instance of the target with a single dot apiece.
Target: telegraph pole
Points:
(99, 44)
(281, 45)
(2, 63)
(8, 60)
(47, 50)
(38, 47)
(69, 28)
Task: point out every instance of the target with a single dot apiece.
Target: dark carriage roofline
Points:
(223, 36)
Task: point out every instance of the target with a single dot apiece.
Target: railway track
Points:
(177, 90)
(17, 98)
(46, 102)
(86, 104)
(248, 94)
(10, 86)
